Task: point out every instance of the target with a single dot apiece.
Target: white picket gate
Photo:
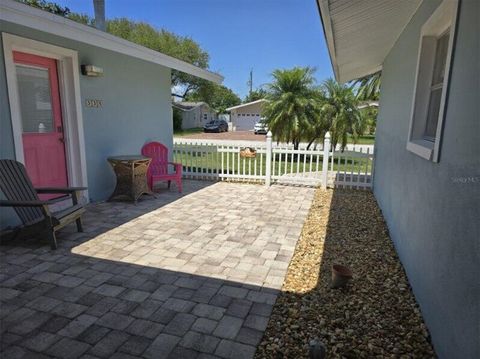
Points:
(212, 160)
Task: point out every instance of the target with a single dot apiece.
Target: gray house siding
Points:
(433, 209)
(136, 107)
(195, 117)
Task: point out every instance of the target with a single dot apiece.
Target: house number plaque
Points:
(94, 103)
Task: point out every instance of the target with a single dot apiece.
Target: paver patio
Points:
(181, 276)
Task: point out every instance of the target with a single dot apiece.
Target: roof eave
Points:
(324, 12)
(335, 21)
(25, 15)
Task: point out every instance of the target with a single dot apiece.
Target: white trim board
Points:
(17, 13)
(245, 104)
(69, 87)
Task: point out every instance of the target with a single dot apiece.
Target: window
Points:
(436, 87)
(431, 83)
(205, 116)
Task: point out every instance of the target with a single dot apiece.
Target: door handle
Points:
(62, 139)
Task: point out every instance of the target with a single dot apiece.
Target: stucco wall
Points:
(432, 209)
(136, 107)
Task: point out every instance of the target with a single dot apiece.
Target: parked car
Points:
(216, 126)
(260, 127)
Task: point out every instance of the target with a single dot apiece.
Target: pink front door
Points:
(42, 128)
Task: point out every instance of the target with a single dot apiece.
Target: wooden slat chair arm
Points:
(39, 203)
(59, 189)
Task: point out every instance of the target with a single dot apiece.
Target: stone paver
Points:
(192, 275)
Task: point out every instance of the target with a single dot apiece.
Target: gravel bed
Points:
(374, 316)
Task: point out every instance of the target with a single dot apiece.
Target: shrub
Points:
(177, 120)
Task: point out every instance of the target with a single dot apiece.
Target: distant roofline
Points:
(245, 104)
(31, 17)
(198, 104)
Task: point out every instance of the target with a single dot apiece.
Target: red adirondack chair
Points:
(158, 169)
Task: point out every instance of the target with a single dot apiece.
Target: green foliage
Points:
(255, 95)
(48, 6)
(81, 18)
(293, 104)
(180, 47)
(369, 115)
(177, 120)
(368, 88)
(297, 110)
(339, 111)
(218, 97)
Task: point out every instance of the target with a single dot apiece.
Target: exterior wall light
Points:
(91, 70)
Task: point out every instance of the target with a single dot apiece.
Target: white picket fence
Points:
(206, 160)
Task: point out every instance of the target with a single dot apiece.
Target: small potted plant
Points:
(340, 275)
(248, 152)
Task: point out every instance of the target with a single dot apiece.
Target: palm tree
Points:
(368, 87)
(339, 111)
(292, 104)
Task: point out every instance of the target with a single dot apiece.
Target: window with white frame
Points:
(433, 67)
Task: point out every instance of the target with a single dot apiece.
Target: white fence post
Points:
(326, 152)
(268, 161)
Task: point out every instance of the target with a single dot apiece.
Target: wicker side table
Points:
(131, 173)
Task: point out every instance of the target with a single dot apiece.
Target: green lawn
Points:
(207, 160)
(188, 131)
(362, 140)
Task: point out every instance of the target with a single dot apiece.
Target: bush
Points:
(177, 120)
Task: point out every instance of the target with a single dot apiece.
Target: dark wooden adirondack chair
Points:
(33, 212)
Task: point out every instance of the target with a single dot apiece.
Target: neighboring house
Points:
(246, 115)
(427, 168)
(195, 114)
(63, 124)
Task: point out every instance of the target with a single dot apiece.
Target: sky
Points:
(239, 35)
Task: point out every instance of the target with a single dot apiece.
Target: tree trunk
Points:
(310, 143)
(187, 90)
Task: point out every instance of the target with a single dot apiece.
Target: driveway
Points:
(180, 276)
(231, 135)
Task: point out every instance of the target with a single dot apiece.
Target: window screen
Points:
(436, 87)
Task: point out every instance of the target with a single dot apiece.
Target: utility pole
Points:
(250, 82)
(99, 8)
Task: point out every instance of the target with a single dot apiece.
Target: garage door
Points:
(245, 122)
